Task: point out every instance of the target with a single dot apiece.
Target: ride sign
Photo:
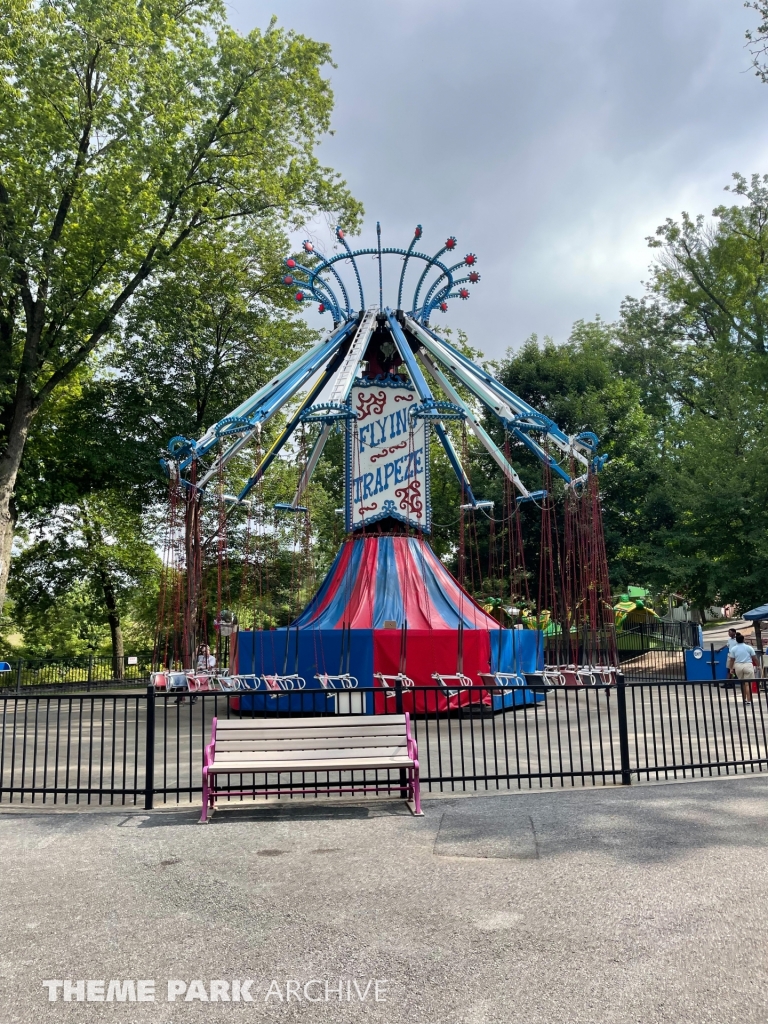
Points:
(387, 457)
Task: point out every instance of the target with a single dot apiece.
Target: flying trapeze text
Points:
(395, 472)
(387, 428)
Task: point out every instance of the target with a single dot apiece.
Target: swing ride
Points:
(389, 618)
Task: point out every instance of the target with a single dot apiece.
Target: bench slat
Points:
(302, 735)
(323, 765)
(303, 742)
(313, 754)
(312, 723)
(356, 727)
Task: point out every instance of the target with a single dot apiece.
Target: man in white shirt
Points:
(740, 662)
(730, 644)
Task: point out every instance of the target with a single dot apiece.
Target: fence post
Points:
(19, 670)
(621, 707)
(712, 660)
(90, 672)
(149, 756)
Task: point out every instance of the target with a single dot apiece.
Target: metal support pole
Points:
(621, 707)
(712, 661)
(149, 755)
(90, 672)
(759, 646)
(399, 710)
(19, 670)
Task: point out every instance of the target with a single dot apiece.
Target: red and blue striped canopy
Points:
(388, 580)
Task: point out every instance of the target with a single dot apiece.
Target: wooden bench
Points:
(345, 744)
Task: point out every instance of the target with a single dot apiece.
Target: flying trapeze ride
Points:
(389, 617)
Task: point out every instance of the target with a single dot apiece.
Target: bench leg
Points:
(206, 799)
(416, 790)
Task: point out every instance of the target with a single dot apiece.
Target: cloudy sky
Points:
(550, 137)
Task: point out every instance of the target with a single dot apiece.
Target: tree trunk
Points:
(94, 541)
(9, 470)
(115, 629)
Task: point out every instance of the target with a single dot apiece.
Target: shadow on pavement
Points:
(642, 825)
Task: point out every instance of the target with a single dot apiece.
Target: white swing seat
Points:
(248, 682)
(388, 683)
(228, 684)
(505, 679)
(284, 683)
(458, 677)
(345, 681)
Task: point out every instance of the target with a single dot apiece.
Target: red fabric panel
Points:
(428, 651)
(359, 610)
(467, 606)
(418, 609)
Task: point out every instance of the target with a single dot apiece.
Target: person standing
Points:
(740, 661)
(730, 644)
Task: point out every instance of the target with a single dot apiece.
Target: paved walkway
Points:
(648, 904)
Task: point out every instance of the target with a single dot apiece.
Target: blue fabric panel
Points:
(388, 600)
(319, 650)
(440, 601)
(334, 584)
(342, 586)
(517, 650)
(319, 597)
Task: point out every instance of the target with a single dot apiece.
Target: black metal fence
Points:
(90, 672)
(663, 635)
(147, 749)
(654, 651)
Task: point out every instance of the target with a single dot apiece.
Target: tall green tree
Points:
(127, 130)
(79, 575)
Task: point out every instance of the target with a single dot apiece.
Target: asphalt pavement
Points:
(599, 905)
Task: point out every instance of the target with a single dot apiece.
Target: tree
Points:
(709, 366)
(83, 568)
(199, 339)
(579, 385)
(128, 130)
(206, 335)
(717, 273)
(758, 41)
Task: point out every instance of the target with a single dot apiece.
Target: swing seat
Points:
(159, 680)
(345, 681)
(388, 682)
(599, 675)
(228, 684)
(510, 697)
(346, 703)
(248, 682)
(546, 680)
(178, 682)
(459, 677)
(284, 683)
(483, 706)
(608, 674)
(509, 679)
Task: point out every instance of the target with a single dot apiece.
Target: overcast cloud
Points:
(550, 138)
